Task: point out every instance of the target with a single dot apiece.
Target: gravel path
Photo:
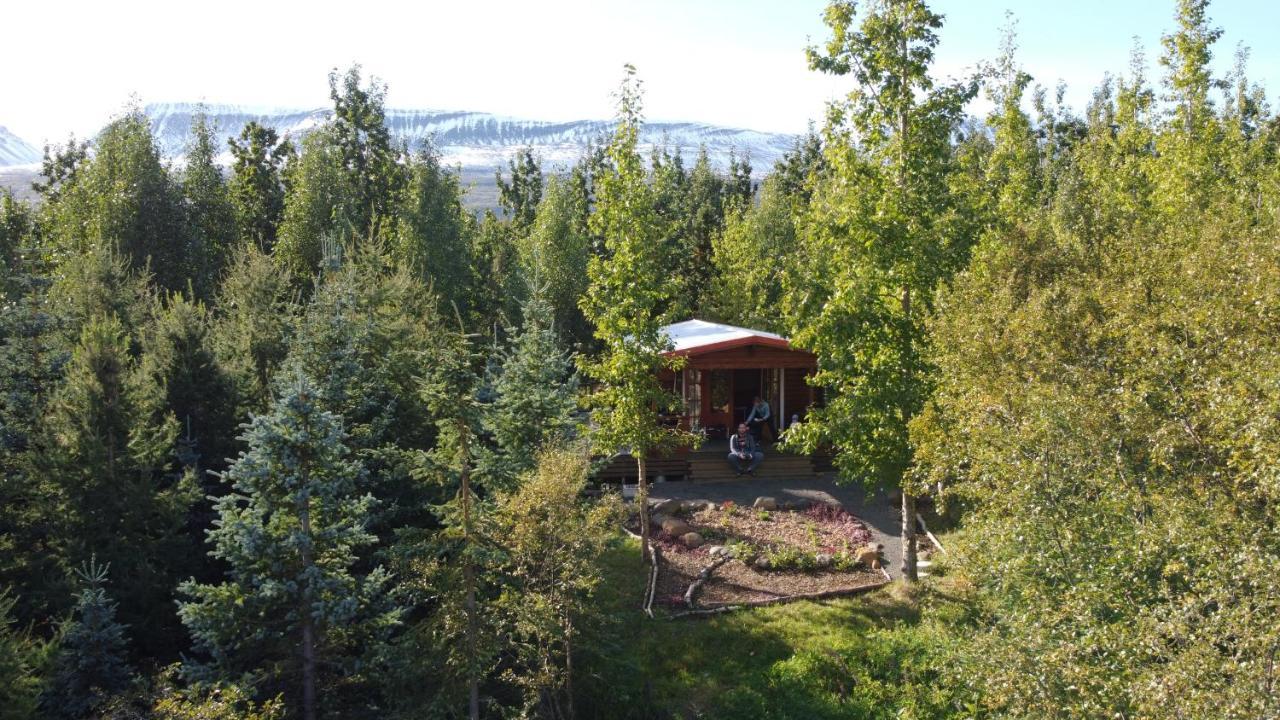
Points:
(881, 517)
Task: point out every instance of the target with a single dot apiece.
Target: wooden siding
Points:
(752, 356)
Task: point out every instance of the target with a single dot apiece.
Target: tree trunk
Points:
(568, 669)
(469, 577)
(909, 571)
(642, 498)
(308, 622)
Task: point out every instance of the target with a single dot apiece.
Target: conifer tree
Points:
(251, 326)
(106, 452)
(520, 196)
(536, 394)
(291, 531)
(629, 293)
(91, 667)
(451, 391)
(257, 186)
(178, 356)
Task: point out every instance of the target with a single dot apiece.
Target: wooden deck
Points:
(710, 464)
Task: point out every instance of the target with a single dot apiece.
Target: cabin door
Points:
(717, 398)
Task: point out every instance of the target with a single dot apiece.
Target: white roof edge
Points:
(699, 333)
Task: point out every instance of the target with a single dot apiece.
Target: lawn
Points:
(879, 655)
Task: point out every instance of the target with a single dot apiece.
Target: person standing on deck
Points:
(761, 417)
(743, 448)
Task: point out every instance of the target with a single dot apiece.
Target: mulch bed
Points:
(819, 529)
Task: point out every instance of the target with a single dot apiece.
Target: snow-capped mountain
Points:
(479, 140)
(16, 151)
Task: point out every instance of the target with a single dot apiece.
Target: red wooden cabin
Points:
(725, 368)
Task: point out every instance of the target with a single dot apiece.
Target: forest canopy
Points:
(304, 437)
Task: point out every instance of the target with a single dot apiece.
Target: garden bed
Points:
(761, 556)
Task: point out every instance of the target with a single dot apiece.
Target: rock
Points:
(667, 507)
(824, 560)
(691, 540)
(761, 563)
(765, 503)
(717, 550)
(674, 526)
(693, 506)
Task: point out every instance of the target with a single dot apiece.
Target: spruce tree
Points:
(91, 667)
(106, 454)
(291, 530)
(536, 394)
(251, 325)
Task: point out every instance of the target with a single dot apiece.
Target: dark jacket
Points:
(742, 444)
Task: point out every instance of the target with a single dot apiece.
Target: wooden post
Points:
(782, 400)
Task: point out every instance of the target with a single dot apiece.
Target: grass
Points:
(879, 655)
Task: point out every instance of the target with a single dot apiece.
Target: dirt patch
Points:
(797, 540)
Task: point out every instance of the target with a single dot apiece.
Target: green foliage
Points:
(123, 198)
(749, 260)
(105, 459)
(20, 666)
(627, 299)
(90, 668)
(431, 232)
(519, 197)
(210, 214)
(251, 326)
(535, 395)
(178, 357)
(555, 252)
(361, 339)
(551, 543)
(291, 532)
(221, 701)
(1106, 396)
(256, 187)
(877, 237)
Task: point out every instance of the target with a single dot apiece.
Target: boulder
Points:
(717, 550)
(761, 563)
(691, 540)
(693, 506)
(674, 526)
(824, 560)
(667, 507)
(765, 503)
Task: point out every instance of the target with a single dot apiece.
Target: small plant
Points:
(762, 515)
(812, 530)
(729, 508)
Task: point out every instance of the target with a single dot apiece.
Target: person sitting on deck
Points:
(742, 448)
(761, 417)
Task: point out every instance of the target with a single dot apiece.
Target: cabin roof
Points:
(694, 337)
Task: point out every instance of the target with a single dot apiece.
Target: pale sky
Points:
(69, 66)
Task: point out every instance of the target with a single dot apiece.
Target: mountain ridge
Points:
(475, 139)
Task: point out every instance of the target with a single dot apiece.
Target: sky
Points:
(69, 66)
